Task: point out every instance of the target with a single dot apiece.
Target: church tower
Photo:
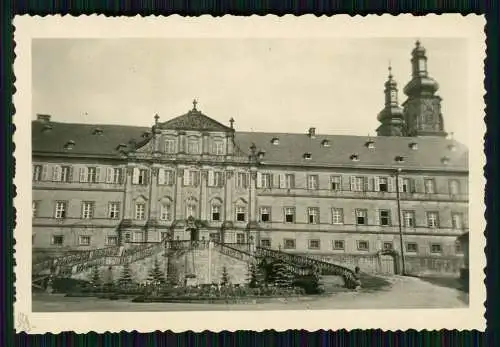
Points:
(391, 116)
(422, 109)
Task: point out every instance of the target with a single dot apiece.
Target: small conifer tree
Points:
(225, 277)
(96, 278)
(283, 278)
(156, 275)
(253, 280)
(125, 279)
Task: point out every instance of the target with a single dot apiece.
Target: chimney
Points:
(43, 118)
(312, 133)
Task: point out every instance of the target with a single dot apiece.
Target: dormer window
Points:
(354, 157)
(121, 146)
(146, 134)
(370, 144)
(325, 143)
(399, 159)
(413, 146)
(312, 133)
(275, 141)
(261, 154)
(445, 160)
(307, 156)
(452, 147)
(97, 131)
(69, 145)
(46, 127)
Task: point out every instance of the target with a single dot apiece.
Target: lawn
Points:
(446, 281)
(371, 283)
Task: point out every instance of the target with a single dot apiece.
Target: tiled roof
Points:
(430, 152)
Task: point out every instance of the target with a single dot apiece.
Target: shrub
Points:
(69, 285)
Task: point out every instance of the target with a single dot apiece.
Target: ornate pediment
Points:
(194, 120)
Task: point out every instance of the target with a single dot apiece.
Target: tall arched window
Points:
(216, 210)
(166, 209)
(191, 207)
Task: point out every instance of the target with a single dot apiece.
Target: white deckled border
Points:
(470, 27)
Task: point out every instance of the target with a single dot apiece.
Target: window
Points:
(265, 243)
(60, 209)
(289, 215)
(191, 178)
(191, 209)
(289, 181)
(87, 209)
(193, 146)
(166, 177)
(169, 146)
(165, 211)
(37, 173)
(117, 175)
(382, 184)
(457, 220)
(138, 236)
(363, 245)
(218, 179)
(429, 186)
(412, 247)
(127, 237)
(112, 240)
(84, 240)
(338, 244)
(385, 217)
(265, 214)
(361, 218)
(313, 215)
(458, 248)
(163, 235)
(436, 248)
(57, 240)
(406, 185)
(140, 211)
(242, 180)
(454, 187)
(214, 236)
(388, 246)
(240, 213)
(265, 180)
(357, 184)
(218, 148)
(34, 207)
(240, 238)
(337, 216)
(114, 210)
(65, 174)
(216, 213)
(336, 183)
(312, 182)
(409, 219)
(92, 175)
(314, 244)
(289, 243)
(432, 220)
(143, 176)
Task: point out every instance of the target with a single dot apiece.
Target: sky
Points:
(274, 85)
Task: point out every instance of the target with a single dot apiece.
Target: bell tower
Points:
(391, 117)
(422, 109)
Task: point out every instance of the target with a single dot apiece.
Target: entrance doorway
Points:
(194, 234)
(387, 264)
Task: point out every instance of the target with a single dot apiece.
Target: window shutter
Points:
(366, 184)
(44, 173)
(376, 183)
(353, 183)
(161, 176)
(54, 173)
(172, 177)
(186, 177)
(259, 180)
(282, 181)
(246, 179)
(70, 174)
(413, 187)
(135, 176)
(196, 178)
(98, 172)
(377, 217)
(400, 183)
(211, 178)
(83, 174)
(390, 184)
(271, 176)
(109, 175)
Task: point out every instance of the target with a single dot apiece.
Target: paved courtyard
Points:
(403, 292)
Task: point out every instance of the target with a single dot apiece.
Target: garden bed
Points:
(218, 300)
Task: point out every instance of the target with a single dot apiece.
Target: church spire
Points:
(391, 116)
(422, 109)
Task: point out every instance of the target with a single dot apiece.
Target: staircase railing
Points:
(323, 266)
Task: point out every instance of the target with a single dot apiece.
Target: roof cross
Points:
(194, 104)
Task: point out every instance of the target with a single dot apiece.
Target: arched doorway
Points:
(194, 234)
(388, 262)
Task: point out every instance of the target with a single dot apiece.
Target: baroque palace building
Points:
(193, 177)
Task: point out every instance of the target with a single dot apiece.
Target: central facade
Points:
(192, 177)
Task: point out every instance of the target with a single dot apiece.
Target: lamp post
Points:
(403, 270)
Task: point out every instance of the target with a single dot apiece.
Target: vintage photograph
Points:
(173, 174)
